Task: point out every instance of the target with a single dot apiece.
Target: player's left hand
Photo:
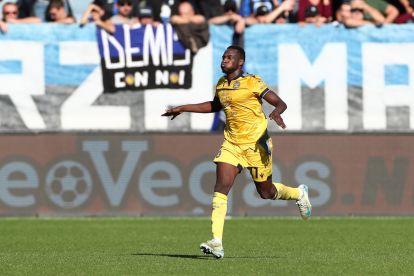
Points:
(275, 116)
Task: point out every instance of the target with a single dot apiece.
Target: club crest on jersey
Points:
(236, 85)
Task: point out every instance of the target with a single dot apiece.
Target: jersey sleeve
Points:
(258, 87)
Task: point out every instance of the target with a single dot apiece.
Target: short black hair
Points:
(230, 5)
(240, 50)
(99, 3)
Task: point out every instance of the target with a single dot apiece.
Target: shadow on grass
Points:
(182, 256)
(203, 257)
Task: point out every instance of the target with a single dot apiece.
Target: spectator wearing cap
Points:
(324, 9)
(281, 14)
(10, 14)
(56, 13)
(146, 16)
(312, 16)
(249, 7)
(229, 17)
(259, 17)
(357, 14)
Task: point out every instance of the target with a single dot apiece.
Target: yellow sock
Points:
(286, 192)
(218, 214)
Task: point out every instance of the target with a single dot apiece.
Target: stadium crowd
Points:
(198, 13)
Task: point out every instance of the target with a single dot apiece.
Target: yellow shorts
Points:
(256, 157)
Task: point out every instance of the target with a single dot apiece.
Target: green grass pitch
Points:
(169, 246)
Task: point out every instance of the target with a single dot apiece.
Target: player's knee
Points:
(266, 190)
(222, 187)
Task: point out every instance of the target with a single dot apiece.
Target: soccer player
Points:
(246, 141)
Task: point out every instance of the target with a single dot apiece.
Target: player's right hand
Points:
(174, 112)
(275, 116)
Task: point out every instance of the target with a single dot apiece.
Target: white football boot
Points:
(213, 247)
(305, 207)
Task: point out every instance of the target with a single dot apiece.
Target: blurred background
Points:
(83, 85)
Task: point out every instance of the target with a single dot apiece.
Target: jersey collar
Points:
(236, 77)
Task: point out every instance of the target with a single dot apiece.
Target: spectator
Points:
(2, 2)
(39, 8)
(249, 7)
(10, 14)
(209, 8)
(192, 28)
(108, 7)
(282, 14)
(405, 8)
(95, 12)
(56, 13)
(324, 8)
(162, 9)
(186, 15)
(229, 17)
(259, 17)
(358, 13)
(125, 13)
(146, 17)
(312, 16)
(408, 6)
(389, 11)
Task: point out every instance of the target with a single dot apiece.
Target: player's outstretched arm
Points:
(280, 107)
(206, 107)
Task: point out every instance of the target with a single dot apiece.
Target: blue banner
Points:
(52, 77)
(51, 36)
(263, 55)
(144, 57)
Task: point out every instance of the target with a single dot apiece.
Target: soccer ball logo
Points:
(68, 184)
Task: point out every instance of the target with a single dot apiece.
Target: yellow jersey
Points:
(241, 100)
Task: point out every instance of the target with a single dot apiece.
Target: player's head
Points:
(233, 59)
(240, 50)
